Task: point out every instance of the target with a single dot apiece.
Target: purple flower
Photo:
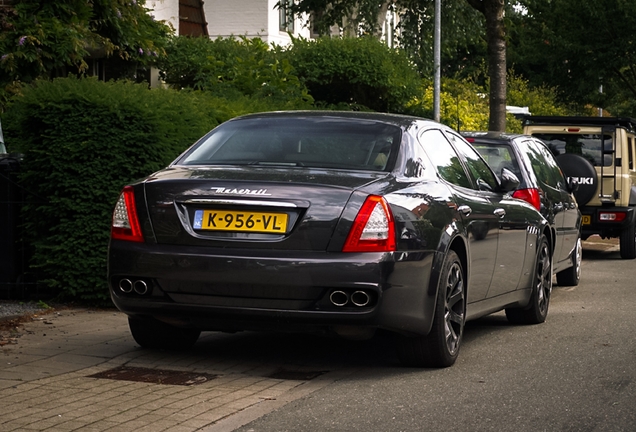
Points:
(4, 57)
(22, 40)
(118, 13)
(154, 53)
(141, 52)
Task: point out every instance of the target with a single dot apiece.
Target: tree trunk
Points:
(493, 11)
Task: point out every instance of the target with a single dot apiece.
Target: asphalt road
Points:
(575, 372)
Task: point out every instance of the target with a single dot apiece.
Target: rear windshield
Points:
(499, 156)
(309, 141)
(590, 146)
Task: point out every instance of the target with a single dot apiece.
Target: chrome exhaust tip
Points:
(360, 298)
(126, 286)
(339, 298)
(140, 287)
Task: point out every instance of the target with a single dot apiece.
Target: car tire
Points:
(152, 333)
(628, 242)
(440, 347)
(537, 311)
(571, 276)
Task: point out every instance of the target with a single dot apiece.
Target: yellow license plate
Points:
(240, 221)
(586, 220)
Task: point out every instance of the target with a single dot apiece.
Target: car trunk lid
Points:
(250, 207)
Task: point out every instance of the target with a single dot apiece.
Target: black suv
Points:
(598, 154)
(543, 185)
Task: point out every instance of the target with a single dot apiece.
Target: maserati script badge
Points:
(226, 191)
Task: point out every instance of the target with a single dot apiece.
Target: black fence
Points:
(16, 281)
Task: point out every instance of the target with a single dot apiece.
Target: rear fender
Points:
(451, 239)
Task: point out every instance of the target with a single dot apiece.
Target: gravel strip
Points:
(10, 309)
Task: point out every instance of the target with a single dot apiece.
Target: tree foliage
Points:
(49, 38)
(461, 28)
(577, 46)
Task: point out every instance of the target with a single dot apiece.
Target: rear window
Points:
(311, 141)
(499, 156)
(590, 146)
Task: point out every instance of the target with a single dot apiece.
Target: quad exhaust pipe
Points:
(126, 286)
(342, 298)
(360, 298)
(139, 286)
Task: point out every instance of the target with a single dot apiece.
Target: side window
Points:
(482, 174)
(544, 166)
(444, 158)
(630, 153)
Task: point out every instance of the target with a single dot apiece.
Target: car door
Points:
(475, 208)
(511, 241)
(566, 213)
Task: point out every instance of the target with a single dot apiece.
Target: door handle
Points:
(500, 212)
(465, 210)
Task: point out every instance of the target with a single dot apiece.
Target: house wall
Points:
(165, 10)
(225, 18)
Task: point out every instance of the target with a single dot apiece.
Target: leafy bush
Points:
(463, 104)
(83, 140)
(232, 67)
(361, 71)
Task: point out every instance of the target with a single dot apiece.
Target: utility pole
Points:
(437, 60)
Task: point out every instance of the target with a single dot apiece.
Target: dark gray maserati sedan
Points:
(330, 222)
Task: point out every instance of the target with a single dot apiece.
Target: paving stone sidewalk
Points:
(47, 383)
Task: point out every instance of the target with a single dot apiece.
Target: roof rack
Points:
(625, 122)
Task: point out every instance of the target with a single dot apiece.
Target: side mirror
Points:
(509, 181)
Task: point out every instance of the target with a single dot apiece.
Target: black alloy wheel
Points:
(151, 333)
(440, 347)
(628, 242)
(537, 311)
(571, 276)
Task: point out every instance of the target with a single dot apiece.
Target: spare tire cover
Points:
(582, 172)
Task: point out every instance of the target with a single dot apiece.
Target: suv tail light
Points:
(373, 230)
(611, 216)
(531, 195)
(125, 224)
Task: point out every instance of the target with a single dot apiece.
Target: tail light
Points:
(373, 229)
(611, 216)
(532, 196)
(125, 221)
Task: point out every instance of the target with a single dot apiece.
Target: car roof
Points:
(400, 120)
(492, 137)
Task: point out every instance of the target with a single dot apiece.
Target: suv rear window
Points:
(590, 146)
(302, 142)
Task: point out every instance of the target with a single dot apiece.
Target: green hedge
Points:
(356, 71)
(231, 68)
(83, 140)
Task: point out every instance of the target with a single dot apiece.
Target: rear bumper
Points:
(213, 289)
(605, 228)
